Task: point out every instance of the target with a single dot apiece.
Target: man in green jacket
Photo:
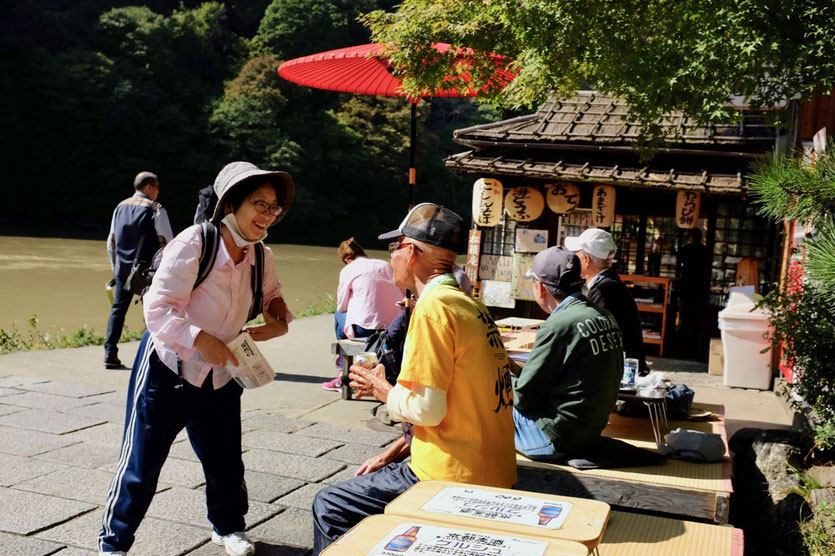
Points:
(569, 385)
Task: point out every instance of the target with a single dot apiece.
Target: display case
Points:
(651, 294)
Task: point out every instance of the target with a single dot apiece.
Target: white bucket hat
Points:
(235, 173)
(594, 241)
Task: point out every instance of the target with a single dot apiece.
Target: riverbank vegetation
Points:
(33, 338)
(97, 90)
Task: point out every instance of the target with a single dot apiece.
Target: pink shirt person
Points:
(174, 314)
(367, 294)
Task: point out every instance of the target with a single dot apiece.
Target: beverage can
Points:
(366, 358)
(630, 371)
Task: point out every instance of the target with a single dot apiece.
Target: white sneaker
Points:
(237, 544)
(113, 553)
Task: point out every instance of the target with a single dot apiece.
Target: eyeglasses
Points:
(263, 207)
(395, 245)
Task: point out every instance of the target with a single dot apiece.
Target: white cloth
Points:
(175, 314)
(424, 405)
(237, 235)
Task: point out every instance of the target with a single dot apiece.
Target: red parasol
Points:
(364, 70)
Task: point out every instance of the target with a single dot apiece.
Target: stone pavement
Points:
(61, 417)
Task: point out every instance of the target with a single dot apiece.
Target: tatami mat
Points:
(701, 476)
(629, 534)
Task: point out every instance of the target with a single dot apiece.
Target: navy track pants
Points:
(339, 507)
(159, 405)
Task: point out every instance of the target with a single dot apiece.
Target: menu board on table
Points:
(500, 506)
(420, 538)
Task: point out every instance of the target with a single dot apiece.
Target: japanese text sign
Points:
(687, 208)
(524, 204)
(562, 197)
(603, 206)
(487, 202)
(473, 250)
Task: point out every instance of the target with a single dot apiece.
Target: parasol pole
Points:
(412, 170)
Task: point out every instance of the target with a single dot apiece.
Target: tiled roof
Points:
(579, 171)
(594, 118)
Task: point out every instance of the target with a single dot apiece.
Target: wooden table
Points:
(348, 349)
(584, 523)
(655, 400)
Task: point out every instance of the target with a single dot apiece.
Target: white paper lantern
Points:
(524, 204)
(562, 197)
(487, 202)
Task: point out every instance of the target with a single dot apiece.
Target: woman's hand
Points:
(370, 382)
(273, 327)
(214, 350)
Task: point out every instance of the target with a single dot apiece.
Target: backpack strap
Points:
(209, 245)
(257, 282)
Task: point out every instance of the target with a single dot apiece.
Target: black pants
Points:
(339, 507)
(121, 304)
(159, 405)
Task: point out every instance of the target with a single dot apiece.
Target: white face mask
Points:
(237, 235)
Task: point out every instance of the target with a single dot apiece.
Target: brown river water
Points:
(62, 281)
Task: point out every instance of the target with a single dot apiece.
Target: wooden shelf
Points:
(655, 308)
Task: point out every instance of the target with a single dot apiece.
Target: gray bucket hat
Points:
(235, 173)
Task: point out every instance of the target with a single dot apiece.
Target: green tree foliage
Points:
(786, 188)
(658, 55)
(96, 90)
(293, 28)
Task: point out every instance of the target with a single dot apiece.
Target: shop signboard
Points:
(473, 248)
(603, 206)
(688, 203)
(495, 267)
(524, 204)
(487, 202)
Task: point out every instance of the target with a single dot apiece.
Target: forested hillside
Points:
(93, 91)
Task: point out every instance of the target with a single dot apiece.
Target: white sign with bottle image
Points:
(506, 507)
(413, 538)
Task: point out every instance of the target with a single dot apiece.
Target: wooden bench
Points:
(700, 490)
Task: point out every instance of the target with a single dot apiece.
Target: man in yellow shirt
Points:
(454, 384)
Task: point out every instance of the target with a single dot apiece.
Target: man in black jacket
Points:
(596, 250)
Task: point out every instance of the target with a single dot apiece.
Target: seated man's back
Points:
(568, 387)
(570, 383)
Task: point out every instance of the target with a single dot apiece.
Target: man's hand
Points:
(273, 327)
(214, 350)
(397, 452)
(370, 382)
(372, 464)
